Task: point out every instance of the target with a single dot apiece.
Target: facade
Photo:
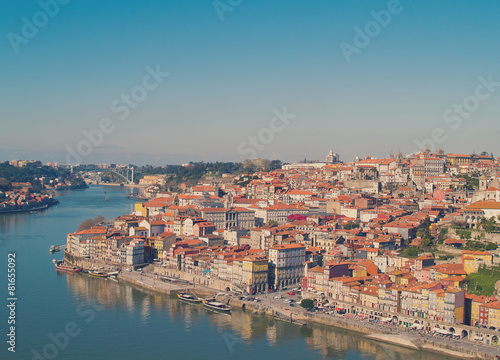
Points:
(473, 260)
(277, 213)
(286, 264)
(223, 218)
(255, 273)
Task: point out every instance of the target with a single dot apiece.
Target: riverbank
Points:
(170, 281)
(43, 207)
(371, 331)
(119, 185)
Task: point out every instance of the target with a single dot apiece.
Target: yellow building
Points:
(476, 302)
(493, 313)
(140, 209)
(397, 275)
(473, 260)
(254, 276)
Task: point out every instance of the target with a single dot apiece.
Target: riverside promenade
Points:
(461, 349)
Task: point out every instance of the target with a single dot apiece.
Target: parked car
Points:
(291, 293)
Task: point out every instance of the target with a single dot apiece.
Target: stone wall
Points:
(366, 185)
(194, 278)
(491, 237)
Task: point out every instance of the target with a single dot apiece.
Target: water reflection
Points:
(328, 342)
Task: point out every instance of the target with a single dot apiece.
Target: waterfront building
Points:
(286, 264)
(255, 273)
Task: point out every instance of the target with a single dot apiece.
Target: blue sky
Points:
(228, 73)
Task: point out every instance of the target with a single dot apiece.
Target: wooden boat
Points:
(211, 304)
(188, 298)
(97, 273)
(60, 265)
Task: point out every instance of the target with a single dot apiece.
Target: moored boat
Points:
(97, 273)
(62, 266)
(188, 298)
(211, 304)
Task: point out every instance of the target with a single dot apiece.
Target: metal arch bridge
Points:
(125, 173)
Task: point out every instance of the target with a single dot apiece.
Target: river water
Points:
(74, 316)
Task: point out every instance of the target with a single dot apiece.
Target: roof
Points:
(484, 204)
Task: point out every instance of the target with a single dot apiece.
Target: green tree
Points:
(351, 226)
(307, 303)
(411, 251)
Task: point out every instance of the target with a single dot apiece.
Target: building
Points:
(278, 213)
(286, 264)
(255, 273)
(473, 260)
(225, 218)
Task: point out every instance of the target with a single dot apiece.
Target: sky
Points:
(168, 82)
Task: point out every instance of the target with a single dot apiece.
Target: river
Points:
(74, 316)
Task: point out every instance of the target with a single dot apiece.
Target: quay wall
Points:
(202, 284)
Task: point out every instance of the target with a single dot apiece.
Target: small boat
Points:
(211, 304)
(188, 298)
(97, 273)
(54, 248)
(60, 265)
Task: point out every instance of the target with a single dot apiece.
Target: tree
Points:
(351, 225)
(307, 303)
(411, 251)
(491, 246)
(442, 235)
(89, 223)
(426, 241)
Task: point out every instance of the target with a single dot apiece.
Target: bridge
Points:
(125, 173)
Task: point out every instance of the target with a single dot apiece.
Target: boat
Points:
(97, 273)
(188, 298)
(60, 265)
(211, 304)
